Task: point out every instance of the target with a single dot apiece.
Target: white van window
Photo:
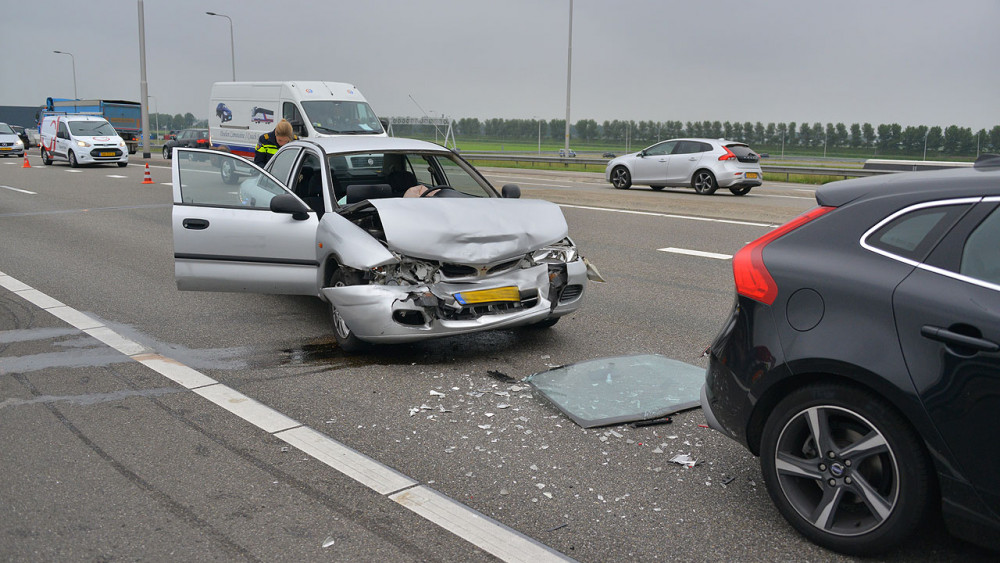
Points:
(91, 128)
(342, 117)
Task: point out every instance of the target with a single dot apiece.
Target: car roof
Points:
(979, 181)
(355, 143)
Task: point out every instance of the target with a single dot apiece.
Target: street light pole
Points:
(232, 49)
(569, 72)
(143, 88)
(156, 110)
(75, 97)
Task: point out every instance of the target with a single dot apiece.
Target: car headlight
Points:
(121, 144)
(559, 252)
(83, 143)
(18, 143)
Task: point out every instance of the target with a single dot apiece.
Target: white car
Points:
(703, 164)
(81, 139)
(10, 142)
(328, 218)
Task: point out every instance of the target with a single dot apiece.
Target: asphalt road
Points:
(104, 458)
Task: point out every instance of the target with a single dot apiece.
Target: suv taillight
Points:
(729, 154)
(751, 276)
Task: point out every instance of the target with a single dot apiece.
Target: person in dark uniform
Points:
(269, 143)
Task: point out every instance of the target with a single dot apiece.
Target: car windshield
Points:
(342, 117)
(91, 128)
(403, 170)
(5, 129)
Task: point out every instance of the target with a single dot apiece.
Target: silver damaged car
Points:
(403, 239)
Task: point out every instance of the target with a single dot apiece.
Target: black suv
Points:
(193, 138)
(861, 360)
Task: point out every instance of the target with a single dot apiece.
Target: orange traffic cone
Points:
(26, 163)
(148, 179)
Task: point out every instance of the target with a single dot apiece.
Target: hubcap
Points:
(837, 470)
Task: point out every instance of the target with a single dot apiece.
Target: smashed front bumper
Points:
(403, 313)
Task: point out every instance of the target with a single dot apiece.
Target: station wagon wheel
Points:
(740, 190)
(704, 183)
(845, 469)
(620, 178)
(346, 339)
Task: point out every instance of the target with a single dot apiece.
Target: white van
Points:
(240, 112)
(81, 139)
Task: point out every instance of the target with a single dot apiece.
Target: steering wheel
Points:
(433, 191)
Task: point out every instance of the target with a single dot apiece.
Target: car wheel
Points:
(346, 339)
(72, 159)
(46, 157)
(845, 469)
(620, 178)
(740, 190)
(703, 182)
(228, 171)
(122, 164)
(166, 153)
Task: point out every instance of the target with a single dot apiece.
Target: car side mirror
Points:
(298, 127)
(287, 203)
(511, 191)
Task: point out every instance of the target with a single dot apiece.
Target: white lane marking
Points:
(73, 171)
(18, 190)
(116, 176)
(363, 469)
(698, 253)
(472, 526)
(670, 216)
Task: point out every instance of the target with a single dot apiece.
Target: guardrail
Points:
(601, 164)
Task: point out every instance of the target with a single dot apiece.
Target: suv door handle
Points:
(195, 224)
(950, 337)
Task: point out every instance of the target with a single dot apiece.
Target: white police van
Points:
(81, 139)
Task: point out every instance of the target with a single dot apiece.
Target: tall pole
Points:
(569, 72)
(75, 96)
(143, 90)
(156, 112)
(232, 48)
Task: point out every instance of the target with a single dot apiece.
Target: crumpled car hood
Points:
(469, 230)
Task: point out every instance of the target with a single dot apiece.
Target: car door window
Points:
(282, 163)
(981, 255)
(202, 184)
(687, 147)
(661, 149)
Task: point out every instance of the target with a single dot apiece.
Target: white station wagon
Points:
(328, 218)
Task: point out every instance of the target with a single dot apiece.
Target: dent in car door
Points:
(949, 330)
(226, 238)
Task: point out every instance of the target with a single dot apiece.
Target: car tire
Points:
(46, 157)
(228, 172)
(740, 190)
(865, 489)
(704, 182)
(122, 164)
(72, 159)
(346, 338)
(167, 153)
(621, 179)
(657, 188)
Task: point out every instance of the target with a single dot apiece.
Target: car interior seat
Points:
(401, 180)
(314, 193)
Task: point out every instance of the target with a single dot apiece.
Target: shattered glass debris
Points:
(621, 389)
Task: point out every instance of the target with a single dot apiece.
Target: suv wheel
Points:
(845, 469)
(620, 178)
(703, 182)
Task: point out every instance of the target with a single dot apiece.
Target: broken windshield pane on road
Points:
(621, 389)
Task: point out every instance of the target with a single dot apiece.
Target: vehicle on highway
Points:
(703, 164)
(328, 218)
(567, 153)
(10, 143)
(195, 138)
(29, 137)
(608, 155)
(81, 139)
(861, 359)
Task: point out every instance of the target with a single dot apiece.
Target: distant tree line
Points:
(886, 138)
(175, 122)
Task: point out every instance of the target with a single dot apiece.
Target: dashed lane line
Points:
(670, 216)
(474, 527)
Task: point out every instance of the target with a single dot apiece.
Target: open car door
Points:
(253, 235)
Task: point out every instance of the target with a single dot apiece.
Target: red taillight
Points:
(752, 277)
(729, 154)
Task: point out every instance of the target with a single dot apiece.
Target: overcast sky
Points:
(913, 62)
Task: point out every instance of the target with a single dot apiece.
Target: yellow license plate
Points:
(107, 154)
(488, 295)
(751, 175)
(6, 149)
